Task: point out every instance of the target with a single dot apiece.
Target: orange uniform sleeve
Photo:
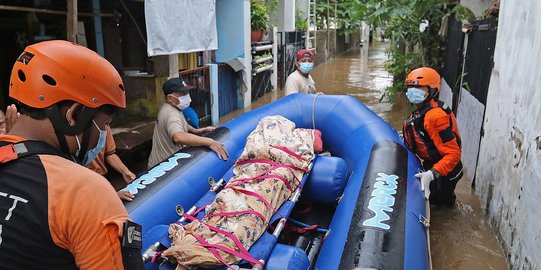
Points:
(110, 146)
(436, 123)
(85, 214)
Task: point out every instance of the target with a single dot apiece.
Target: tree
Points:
(410, 48)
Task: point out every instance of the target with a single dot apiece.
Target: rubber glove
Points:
(426, 178)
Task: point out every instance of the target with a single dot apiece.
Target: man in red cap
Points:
(300, 80)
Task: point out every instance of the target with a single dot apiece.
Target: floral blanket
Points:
(259, 170)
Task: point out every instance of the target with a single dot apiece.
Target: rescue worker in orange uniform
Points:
(55, 213)
(431, 132)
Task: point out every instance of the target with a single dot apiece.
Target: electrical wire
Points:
(134, 22)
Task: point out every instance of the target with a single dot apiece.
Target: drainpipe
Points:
(274, 75)
(214, 102)
(97, 27)
(328, 34)
(245, 95)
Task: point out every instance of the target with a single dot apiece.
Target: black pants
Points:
(442, 190)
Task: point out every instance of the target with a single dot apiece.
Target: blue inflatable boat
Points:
(368, 206)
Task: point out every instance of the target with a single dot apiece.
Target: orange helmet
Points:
(52, 71)
(424, 76)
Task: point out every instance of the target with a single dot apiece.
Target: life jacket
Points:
(416, 137)
(14, 151)
(28, 231)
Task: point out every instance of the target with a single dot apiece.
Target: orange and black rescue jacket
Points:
(432, 133)
(54, 213)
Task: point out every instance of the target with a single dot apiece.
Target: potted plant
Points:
(259, 19)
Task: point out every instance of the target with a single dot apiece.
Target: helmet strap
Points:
(433, 93)
(84, 146)
(62, 129)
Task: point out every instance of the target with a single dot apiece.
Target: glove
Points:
(426, 178)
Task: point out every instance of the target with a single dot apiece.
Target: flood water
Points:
(461, 238)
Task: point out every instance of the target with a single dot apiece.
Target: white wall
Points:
(469, 118)
(509, 170)
(284, 17)
(477, 6)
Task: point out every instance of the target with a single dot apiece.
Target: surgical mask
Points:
(184, 102)
(306, 67)
(416, 95)
(93, 153)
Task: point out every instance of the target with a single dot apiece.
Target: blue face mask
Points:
(306, 67)
(416, 95)
(93, 153)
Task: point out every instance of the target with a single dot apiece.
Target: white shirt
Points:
(297, 83)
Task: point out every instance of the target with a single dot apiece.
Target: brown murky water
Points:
(461, 238)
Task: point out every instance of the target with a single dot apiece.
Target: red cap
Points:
(303, 53)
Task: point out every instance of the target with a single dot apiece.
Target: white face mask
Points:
(93, 153)
(416, 95)
(184, 102)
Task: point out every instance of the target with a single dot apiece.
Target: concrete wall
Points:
(325, 50)
(333, 44)
(509, 171)
(345, 43)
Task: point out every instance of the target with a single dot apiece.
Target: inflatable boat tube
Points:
(377, 219)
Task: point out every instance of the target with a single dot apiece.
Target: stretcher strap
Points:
(247, 257)
(243, 252)
(243, 212)
(264, 161)
(240, 182)
(291, 153)
(155, 257)
(212, 250)
(245, 180)
(199, 209)
(254, 194)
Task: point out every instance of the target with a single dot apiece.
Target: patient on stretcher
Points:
(275, 157)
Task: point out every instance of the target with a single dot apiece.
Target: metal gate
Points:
(200, 78)
(290, 44)
(228, 84)
(479, 57)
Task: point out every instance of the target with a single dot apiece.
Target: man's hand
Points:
(11, 117)
(128, 176)
(125, 195)
(426, 178)
(219, 149)
(205, 129)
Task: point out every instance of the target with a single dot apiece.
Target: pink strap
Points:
(264, 161)
(240, 182)
(288, 152)
(247, 257)
(238, 213)
(228, 234)
(212, 250)
(244, 180)
(199, 209)
(259, 197)
(154, 258)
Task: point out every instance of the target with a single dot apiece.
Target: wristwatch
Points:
(435, 173)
